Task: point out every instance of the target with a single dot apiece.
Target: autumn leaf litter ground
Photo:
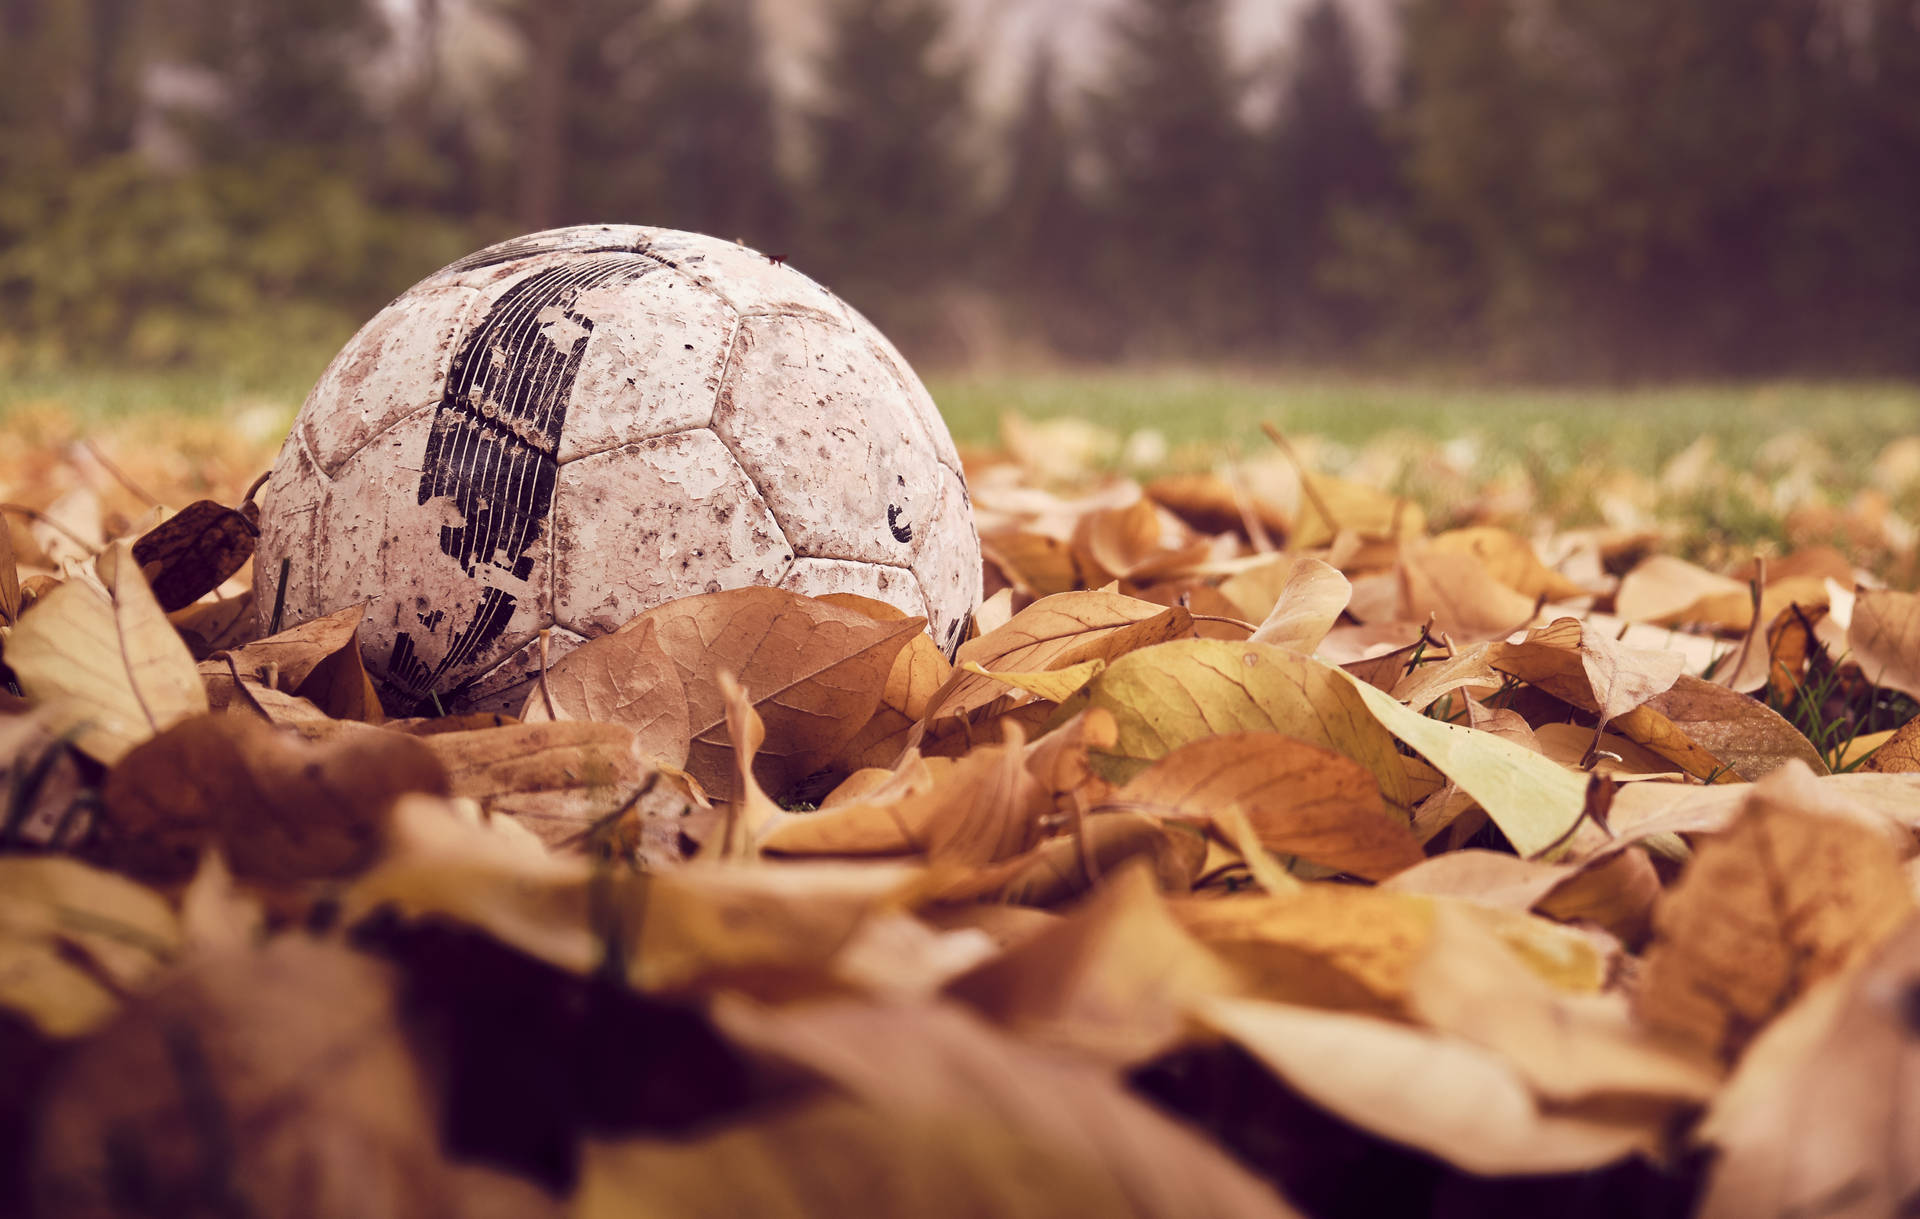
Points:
(1275, 845)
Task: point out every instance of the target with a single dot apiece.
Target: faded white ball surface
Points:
(571, 427)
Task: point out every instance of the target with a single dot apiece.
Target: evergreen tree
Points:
(1176, 160)
(712, 117)
(891, 190)
(1324, 155)
(1042, 227)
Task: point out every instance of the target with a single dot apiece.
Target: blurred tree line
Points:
(1552, 188)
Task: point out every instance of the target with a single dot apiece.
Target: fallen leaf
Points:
(1586, 669)
(279, 808)
(775, 928)
(215, 626)
(815, 674)
(1036, 564)
(1065, 867)
(1458, 592)
(1884, 637)
(277, 1082)
(918, 674)
(1663, 588)
(1446, 1097)
(1054, 633)
(110, 672)
(1899, 753)
(1816, 1118)
(1310, 602)
(1301, 799)
(194, 551)
(74, 940)
(1052, 685)
(1569, 1048)
(560, 780)
(1533, 800)
(1113, 978)
(1083, 1145)
(985, 809)
(624, 678)
(1783, 898)
(1749, 737)
(1164, 697)
(1508, 558)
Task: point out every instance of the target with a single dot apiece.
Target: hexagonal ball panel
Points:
(948, 565)
(746, 278)
(819, 422)
(395, 366)
(651, 365)
(297, 513)
(894, 585)
(434, 619)
(663, 518)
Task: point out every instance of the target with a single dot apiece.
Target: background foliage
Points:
(1546, 188)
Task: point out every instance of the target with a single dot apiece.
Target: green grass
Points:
(1638, 428)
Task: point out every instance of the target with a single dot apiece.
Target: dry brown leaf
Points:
(1355, 508)
(1508, 558)
(1090, 1146)
(1569, 1048)
(271, 1083)
(1311, 601)
(279, 808)
(1786, 896)
(1817, 1119)
(1899, 753)
(110, 672)
(1114, 978)
(558, 779)
(1302, 799)
(983, 810)
(1057, 632)
(1164, 697)
(193, 552)
(772, 929)
(318, 661)
(1210, 503)
(625, 678)
(74, 940)
(1119, 540)
(1462, 597)
(1586, 669)
(1615, 892)
(1889, 804)
(1036, 564)
(1749, 737)
(215, 626)
(1447, 1097)
(1065, 867)
(1348, 948)
(815, 674)
(918, 674)
(1885, 639)
(1663, 588)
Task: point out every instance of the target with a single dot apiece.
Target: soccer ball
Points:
(568, 428)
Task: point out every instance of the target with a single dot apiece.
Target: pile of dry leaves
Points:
(1260, 854)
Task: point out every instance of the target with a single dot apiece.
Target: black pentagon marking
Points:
(902, 531)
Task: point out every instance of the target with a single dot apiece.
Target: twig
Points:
(120, 476)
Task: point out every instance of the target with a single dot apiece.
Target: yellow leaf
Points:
(1534, 800)
(1054, 685)
(110, 672)
(1161, 698)
(1310, 602)
(1885, 638)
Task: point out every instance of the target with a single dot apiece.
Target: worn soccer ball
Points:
(568, 428)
